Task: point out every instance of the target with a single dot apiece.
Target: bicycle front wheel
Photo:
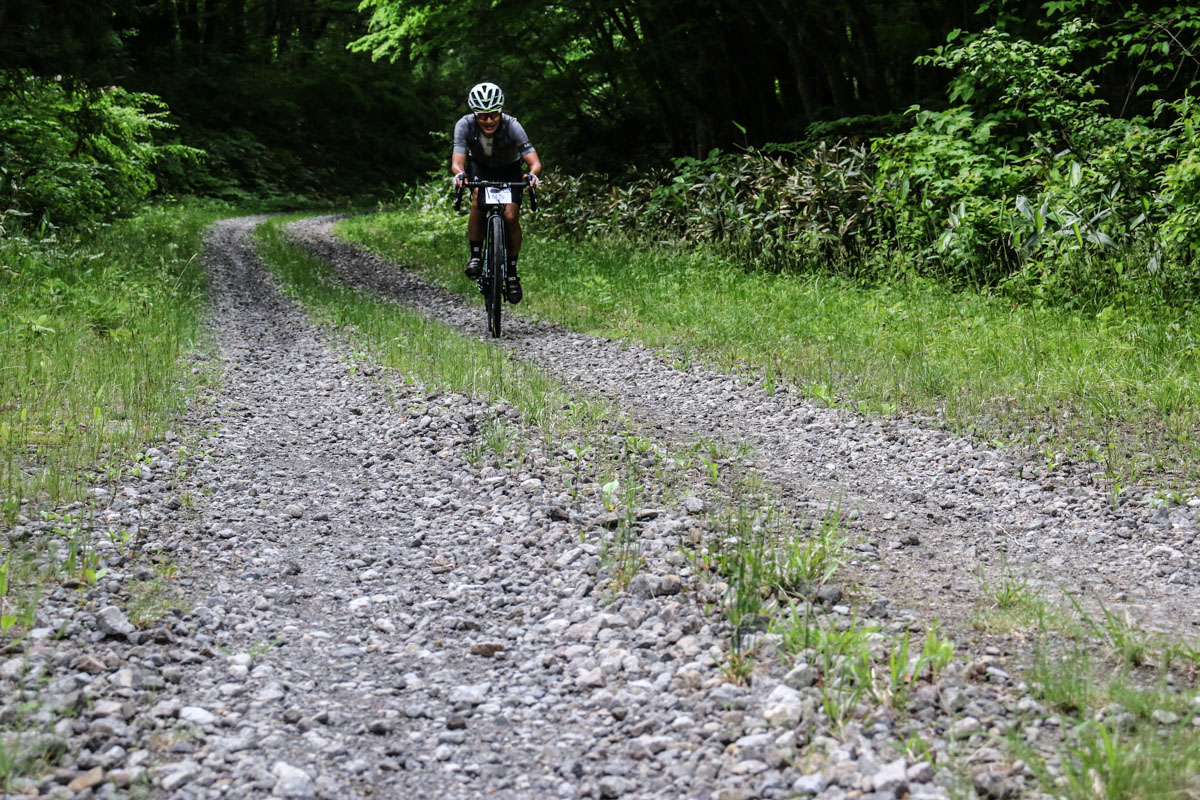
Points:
(497, 267)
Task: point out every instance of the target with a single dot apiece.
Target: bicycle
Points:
(496, 194)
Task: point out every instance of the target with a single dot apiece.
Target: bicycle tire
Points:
(497, 266)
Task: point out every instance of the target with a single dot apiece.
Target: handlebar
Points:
(480, 184)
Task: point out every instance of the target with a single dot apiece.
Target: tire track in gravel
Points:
(931, 507)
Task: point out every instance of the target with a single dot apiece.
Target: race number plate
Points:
(497, 196)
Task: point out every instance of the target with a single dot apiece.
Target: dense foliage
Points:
(1022, 179)
(608, 82)
(265, 87)
(74, 154)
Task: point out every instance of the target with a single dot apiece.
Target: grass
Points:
(1109, 682)
(1121, 390)
(1011, 605)
(95, 327)
(1126, 737)
(153, 598)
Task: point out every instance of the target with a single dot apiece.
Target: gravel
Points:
(368, 611)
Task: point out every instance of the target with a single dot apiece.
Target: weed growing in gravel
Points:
(1063, 678)
(904, 666)
(16, 609)
(620, 550)
(818, 558)
(1127, 641)
(975, 361)
(152, 599)
(8, 768)
(936, 653)
(901, 672)
(1140, 743)
(793, 623)
(1125, 738)
(847, 673)
(499, 436)
(27, 745)
(738, 667)
(769, 571)
(29, 753)
(1012, 604)
(1106, 762)
(1006, 592)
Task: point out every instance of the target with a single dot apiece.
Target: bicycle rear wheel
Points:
(497, 267)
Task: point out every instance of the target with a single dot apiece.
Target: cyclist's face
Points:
(488, 121)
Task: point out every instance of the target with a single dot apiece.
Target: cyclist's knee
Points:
(512, 213)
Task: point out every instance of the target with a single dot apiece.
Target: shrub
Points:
(71, 154)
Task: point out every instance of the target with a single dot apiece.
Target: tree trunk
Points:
(237, 26)
(189, 22)
(873, 86)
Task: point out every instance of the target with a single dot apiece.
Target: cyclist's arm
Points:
(458, 165)
(535, 166)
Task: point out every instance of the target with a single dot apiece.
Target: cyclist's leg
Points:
(512, 212)
(474, 228)
(512, 224)
(512, 228)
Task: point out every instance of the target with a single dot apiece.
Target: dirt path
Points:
(368, 611)
(932, 508)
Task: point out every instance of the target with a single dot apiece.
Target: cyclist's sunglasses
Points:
(487, 116)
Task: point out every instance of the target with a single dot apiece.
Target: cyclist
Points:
(490, 145)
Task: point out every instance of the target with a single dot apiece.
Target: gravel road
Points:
(370, 612)
(961, 503)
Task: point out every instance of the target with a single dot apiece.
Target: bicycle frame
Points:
(495, 242)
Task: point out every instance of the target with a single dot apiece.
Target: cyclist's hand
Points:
(459, 179)
(532, 180)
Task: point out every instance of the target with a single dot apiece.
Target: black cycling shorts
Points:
(511, 173)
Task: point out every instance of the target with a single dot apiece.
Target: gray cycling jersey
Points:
(509, 144)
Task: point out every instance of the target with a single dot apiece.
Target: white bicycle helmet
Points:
(485, 97)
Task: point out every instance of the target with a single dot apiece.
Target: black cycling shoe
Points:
(474, 268)
(512, 290)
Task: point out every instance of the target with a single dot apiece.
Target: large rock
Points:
(113, 622)
(292, 781)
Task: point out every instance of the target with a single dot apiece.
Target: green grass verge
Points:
(95, 326)
(1120, 390)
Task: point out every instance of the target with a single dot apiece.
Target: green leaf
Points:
(1024, 208)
